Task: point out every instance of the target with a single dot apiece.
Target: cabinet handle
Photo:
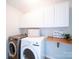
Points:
(58, 44)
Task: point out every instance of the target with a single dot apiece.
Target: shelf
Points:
(60, 40)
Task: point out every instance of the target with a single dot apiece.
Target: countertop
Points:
(60, 40)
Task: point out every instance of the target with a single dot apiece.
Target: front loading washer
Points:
(14, 43)
(32, 48)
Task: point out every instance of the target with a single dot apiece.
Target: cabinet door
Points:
(48, 16)
(63, 52)
(61, 14)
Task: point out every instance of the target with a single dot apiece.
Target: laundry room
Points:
(39, 29)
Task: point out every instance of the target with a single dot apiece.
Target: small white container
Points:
(33, 32)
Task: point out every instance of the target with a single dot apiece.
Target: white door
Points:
(62, 14)
(48, 16)
(28, 53)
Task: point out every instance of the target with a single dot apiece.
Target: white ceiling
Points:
(27, 5)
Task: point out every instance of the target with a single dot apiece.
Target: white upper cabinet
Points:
(56, 15)
(62, 14)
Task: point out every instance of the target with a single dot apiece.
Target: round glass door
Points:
(28, 54)
(12, 49)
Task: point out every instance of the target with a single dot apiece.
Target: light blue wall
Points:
(49, 32)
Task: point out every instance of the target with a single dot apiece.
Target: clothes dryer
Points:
(14, 43)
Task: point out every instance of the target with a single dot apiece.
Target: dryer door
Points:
(29, 53)
(12, 49)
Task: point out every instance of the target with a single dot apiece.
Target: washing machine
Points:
(33, 48)
(14, 43)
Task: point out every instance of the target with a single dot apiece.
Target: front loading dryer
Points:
(32, 48)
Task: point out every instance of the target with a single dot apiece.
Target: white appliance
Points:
(33, 48)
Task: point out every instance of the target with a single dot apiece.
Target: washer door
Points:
(12, 49)
(29, 53)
